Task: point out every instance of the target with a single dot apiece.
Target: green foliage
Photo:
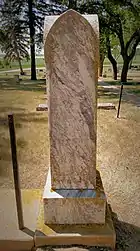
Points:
(120, 18)
(13, 39)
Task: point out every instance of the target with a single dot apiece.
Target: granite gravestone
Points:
(73, 192)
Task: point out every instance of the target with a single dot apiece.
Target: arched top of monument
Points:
(50, 20)
(68, 19)
(71, 55)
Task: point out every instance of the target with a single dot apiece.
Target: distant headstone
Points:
(42, 107)
(106, 106)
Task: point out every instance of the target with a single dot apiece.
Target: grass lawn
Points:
(130, 87)
(41, 63)
(136, 91)
(31, 132)
(25, 64)
(118, 151)
(118, 145)
(136, 60)
(118, 156)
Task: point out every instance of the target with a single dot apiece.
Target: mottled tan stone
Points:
(89, 234)
(71, 56)
(74, 206)
(49, 21)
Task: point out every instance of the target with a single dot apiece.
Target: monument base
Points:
(74, 206)
(87, 234)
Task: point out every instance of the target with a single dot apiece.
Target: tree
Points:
(72, 4)
(28, 15)
(122, 19)
(110, 57)
(103, 52)
(31, 17)
(13, 41)
(34, 14)
(14, 46)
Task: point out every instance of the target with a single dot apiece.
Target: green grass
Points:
(24, 85)
(136, 60)
(135, 91)
(31, 132)
(131, 87)
(25, 64)
(40, 63)
(119, 83)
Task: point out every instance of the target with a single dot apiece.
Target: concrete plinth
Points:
(74, 206)
(88, 234)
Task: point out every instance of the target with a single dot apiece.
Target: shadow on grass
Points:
(134, 91)
(107, 94)
(9, 110)
(20, 120)
(21, 117)
(31, 117)
(5, 154)
(129, 96)
(115, 82)
(24, 85)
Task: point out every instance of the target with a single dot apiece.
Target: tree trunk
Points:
(130, 64)
(111, 58)
(113, 62)
(125, 70)
(32, 40)
(20, 66)
(72, 4)
(19, 60)
(102, 58)
(114, 65)
(18, 55)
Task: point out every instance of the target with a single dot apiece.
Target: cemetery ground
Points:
(40, 62)
(118, 149)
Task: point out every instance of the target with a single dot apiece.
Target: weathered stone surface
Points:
(71, 55)
(74, 206)
(49, 21)
(89, 234)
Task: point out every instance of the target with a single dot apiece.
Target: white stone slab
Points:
(11, 238)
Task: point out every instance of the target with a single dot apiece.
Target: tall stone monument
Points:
(75, 210)
(73, 192)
